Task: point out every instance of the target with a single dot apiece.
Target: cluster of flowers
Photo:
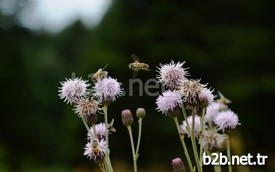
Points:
(210, 119)
(87, 103)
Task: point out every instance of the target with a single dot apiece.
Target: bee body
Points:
(136, 66)
(100, 74)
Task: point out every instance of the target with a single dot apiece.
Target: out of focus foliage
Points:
(228, 44)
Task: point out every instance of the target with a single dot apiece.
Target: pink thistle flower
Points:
(73, 89)
(107, 90)
(100, 131)
(206, 97)
(168, 101)
(226, 120)
(212, 111)
(171, 74)
(177, 165)
(85, 107)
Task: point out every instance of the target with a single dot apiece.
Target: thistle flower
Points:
(226, 120)
(171, 74)
(212, 139)
(168, 102)
(100, 131)
(85, 107)
(212, 111)
(197, 127)
(127, 117)
(107, 90)
(190, 91)
(73, 89)
(140, 112)
(96, 150)
(206, 97)
(177, 165)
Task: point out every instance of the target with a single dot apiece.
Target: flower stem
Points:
(139, 137)
(184, 145)
(201, 130)
(133, 147)
(193, 141)
(228, 153)
(86, 126)
(105, 110)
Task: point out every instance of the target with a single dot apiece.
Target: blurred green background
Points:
(228, 44)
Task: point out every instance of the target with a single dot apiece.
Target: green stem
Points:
(139, 137)
(133, 147)
(217, 168)
(193, 141)
(86, 126)
(183, 144)
(228, 153)
(201, 131)
(105, 110)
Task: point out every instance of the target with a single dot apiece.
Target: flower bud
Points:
(141, 113)
(177, 165)
(127, 117)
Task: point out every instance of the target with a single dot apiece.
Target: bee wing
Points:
(134, 57)
(134, 74)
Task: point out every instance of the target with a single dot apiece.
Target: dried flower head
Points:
(177, 165)
(197, 126)
(212, 139)
(226, 120)
(96, 150)
(85, 107)
(169, 101)
(73, 89)
(107, 90)
(190, 91)
(172, 74)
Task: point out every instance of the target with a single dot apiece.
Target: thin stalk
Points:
(139, 137)
(105, 110)
(133, 147)
(228, 153)
(193, 141)
(86, 125)
(95, 133)
(184, 145)
(201, 130)
(217, 168)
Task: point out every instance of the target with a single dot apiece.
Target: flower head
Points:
(107, 90)
(197, 126)
(177, 165)
(206, 97)
(190, 90)
(212, 139)
(96, 150)
(127, 117)
(171, 74)
(85, 107)
(73, 89)
(100, 131)
(226, 120)
(168, 101)
(212, 111)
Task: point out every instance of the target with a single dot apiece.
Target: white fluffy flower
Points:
(197, 127)
(96, 150)
(85, 107)
(171, 74)
(168, 101)
(107, 89)
(226, 120)
(73, 89)
(212, 111)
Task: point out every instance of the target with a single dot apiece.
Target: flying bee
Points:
(137, 66)
(101, 73)
(110, 126)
